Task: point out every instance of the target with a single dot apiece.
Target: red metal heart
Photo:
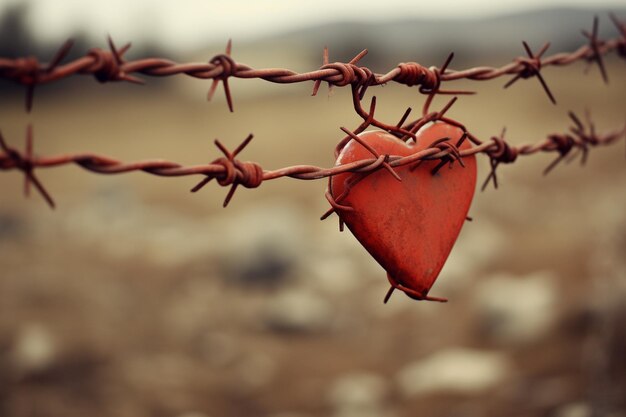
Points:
(408, 226)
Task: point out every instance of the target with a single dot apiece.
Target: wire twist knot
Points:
(347, 72)
(248, 174)
(531, 66)
(14, 159)
(227, 64)
(412, 73)
(502, 152)
(563, 143)
(106, 66)
(449, 153)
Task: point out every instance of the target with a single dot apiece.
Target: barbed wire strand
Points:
(230, 171)
(110, 65)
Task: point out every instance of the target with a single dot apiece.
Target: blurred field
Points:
(138, 298)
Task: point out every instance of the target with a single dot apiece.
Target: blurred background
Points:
(137, 298)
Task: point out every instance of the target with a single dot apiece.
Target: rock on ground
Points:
(457, 370)
(517, 309)
(298, 310)
(361, 390)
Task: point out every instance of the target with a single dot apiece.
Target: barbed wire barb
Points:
(228, 66)
(532, 68)
(621, 27)
(317, 83)
(504, 153)
(25, 164)
(249, 174)
(116, 70)
(595, 43)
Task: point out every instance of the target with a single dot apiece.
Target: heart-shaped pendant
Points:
(408, 226)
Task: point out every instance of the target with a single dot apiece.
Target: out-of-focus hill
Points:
(388, 41)
(430, 41)
(475, 41)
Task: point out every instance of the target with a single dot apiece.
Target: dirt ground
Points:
(137, 298)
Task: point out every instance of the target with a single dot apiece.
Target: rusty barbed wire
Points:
(230, 171)
(110, 65)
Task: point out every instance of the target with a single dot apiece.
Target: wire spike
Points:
(212, 89)
(30, 94)
(512, 81)
(243, 144)
(447, 63)
(447, 107)
(358, 57)
(229, 46)
(229, 99)
(543, 50)
(223, 148)
(389, 293)
(201, 184)
(404, 117)
(230, 194)
(124, 49)
(28, 157)
(546, 88)
(116, 55)
(594, 44)
(60, 55)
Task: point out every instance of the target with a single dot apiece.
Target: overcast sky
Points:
(195, 21)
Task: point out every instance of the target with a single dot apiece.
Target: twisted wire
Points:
(230, 171)
(110, 65)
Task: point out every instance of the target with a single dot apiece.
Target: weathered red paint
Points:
(408, 226)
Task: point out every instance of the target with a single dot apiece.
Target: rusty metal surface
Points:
(233, 172)
(110, 65)
(408, 221)
(230, 171)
